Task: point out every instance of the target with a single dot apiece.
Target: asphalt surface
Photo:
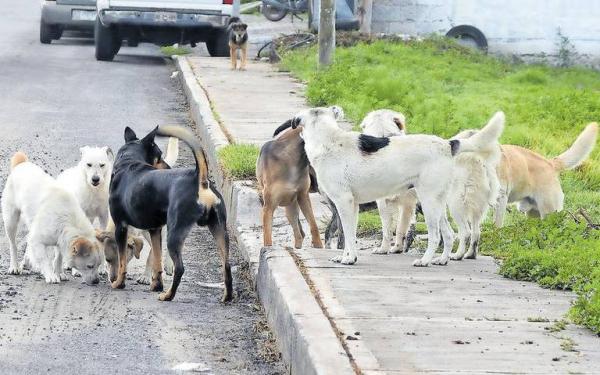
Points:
(55, 99)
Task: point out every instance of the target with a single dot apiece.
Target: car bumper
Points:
(183, 20)
(63, 15)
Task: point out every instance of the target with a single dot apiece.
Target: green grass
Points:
(443, 88)
(172, 50)
(239, 160)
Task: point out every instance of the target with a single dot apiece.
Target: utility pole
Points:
(365, 11)
(326, 33)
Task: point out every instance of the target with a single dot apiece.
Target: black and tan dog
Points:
(238, 39)
(148, 198)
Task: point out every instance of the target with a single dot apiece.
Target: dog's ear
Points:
(244, 26)
(295, 122)
(338, 112)
(109, 153)
(399, 123)
(149, 138)
(103, 235)
(130, 135)
(138, 245)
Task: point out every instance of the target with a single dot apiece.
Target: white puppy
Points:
(399, 208)
(89, 181)
(58, 228)
(354, 168)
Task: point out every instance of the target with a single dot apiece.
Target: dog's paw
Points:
(440, 261)
(52, 278)
(395, 250)
(456, 256)
(349, 259)
(421, 263)
(166, 296)
(118, 284)
(63, 277)
(471, 255)
(336, 259)
(380, 250)
(156, 285)
(14, 270)
(144, 280)
(75, 273)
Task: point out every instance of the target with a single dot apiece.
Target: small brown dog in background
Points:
(284, 179)
(238, 39)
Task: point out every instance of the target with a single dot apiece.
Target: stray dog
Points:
(135, 244)
(354, 168)
(148, 198)
(533, 181)
(88, 181)
(399, 208)
(58, 228)
(238, 39)
(473, 190)
(284, 179)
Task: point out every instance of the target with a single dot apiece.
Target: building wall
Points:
(522, 27)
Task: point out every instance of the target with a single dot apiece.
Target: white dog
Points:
(474, 188)
(354, 168)
(89, 180)
(399, 208)
(58, 228)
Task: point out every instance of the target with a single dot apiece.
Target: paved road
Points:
(55, 99)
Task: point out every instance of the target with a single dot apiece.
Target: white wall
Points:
(525, 27)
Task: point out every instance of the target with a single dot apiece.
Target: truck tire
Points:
(469, 33)
(218, 44)
(105, 41)
(49, 32)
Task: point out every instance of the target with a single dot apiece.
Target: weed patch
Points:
(239, 160)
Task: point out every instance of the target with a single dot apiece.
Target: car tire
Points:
(105, 41)
(49, 32)
(469, 32)
(218, 44)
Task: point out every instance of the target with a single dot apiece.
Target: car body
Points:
(162, 22)
(60, 15)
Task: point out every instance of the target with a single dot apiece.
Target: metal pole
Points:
(235, 11)
(365, 11)
(326, 33)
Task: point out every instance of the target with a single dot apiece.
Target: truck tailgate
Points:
(168, 5)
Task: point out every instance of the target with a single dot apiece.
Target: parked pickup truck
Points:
(162, 22)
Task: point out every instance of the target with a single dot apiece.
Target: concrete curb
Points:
(304, 335)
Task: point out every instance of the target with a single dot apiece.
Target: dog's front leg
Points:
(448, 238)
(146, 277)
(58, 264)
(233, 56)
(501, 209)
(244, 51)
(432, 210)
(121, 239)
(157, 268)
(406, 220)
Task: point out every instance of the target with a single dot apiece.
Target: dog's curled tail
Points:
(172, 153)
(18, 158)
(233, 19)
(579, 150)
(205, 194)
(485, 138)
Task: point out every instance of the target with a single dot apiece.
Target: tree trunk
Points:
(366, 13)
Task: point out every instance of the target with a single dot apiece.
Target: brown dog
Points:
(238, 39)
(533, 181)
(283, 175)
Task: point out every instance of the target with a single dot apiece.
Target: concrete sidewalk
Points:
(381, 315)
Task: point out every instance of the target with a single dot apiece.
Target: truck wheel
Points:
(469, 35)
(105, 41)
(49, 32)
(218, 44)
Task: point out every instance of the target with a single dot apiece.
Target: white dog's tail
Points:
(579, 151)
(172, 153)
(18, 158)
(483, 139)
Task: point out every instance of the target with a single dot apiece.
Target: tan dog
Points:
(283, 175)
(533, 181)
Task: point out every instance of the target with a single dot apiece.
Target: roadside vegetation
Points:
(175, 50)
(443, 88)
(239, 160)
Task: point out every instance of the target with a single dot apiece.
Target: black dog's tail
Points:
(205, 194)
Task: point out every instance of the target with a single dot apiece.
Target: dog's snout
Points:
(95, 180)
